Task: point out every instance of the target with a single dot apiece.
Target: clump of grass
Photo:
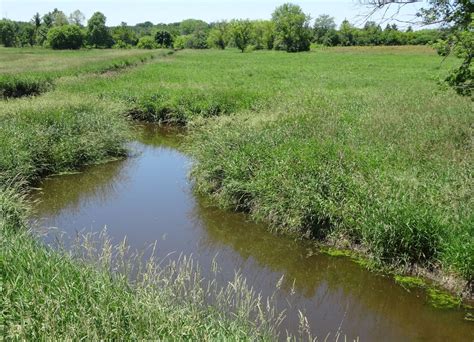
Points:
(24, 85)
(52, 135)
(168, 107)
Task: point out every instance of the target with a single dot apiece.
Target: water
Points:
(148, 198)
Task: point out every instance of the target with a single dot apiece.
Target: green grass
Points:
(49, 135)
(359, 144)
(14, 61)
(91, 294)
(27, 72)
(75, 295)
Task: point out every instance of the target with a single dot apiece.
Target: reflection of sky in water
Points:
(148, 197)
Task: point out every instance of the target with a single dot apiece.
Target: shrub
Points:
(65, 37)
(146, 42)
(181, 42)
(164, 39)
(18, 86)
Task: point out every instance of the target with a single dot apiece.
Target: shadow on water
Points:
(148, 197)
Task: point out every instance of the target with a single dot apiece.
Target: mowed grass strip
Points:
(29, 71)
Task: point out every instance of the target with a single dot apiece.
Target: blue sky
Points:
(167, 11)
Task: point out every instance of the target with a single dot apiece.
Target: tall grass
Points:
(53, 135)
(340, 144)
(100, 291)
(320, 175)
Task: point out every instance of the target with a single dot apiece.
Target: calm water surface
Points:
(148, 198)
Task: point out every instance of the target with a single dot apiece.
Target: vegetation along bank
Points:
(352, 144)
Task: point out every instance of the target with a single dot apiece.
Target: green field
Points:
(356, 145)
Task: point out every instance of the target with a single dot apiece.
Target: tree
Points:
(146, 42)
(8, 33)
(77, 18)
(190, 26)
(346, 33)
(97, 33)
(164, 39)
(263, 34)
(65, 37)
(36, 20)
(123, 36)
(322, 25)
(59, 18)
(292, 30)
(218, 35)
(241, 33)
(197, 40)
(181, 42)
(48, 20)
(455, 16)
(26, 34)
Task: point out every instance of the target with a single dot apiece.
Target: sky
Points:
(168, 11)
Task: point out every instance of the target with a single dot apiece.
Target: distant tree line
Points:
(289, 29)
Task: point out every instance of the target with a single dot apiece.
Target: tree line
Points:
(290, 29)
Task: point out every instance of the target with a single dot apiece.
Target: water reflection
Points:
(148, 197)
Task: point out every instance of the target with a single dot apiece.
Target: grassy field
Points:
(355, 145)
(360, 144)
(64, 295)
(30, 71)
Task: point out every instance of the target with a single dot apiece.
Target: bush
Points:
(120, 44)
(56, 135)
(146, 42)
(164, 39)
(18, 86)
(65, 37)
(181, 42)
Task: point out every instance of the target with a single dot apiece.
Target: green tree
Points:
(263, 34)
(8, 33)
(48, 20)
(292, 30)
(77, 18)
(241, 33)
(181, 42)
(36, 20)
(98, 34)
(218, 36)
(164, 39)
(346, 33)
(26, 34)
(59, 18)
(65, 37)
(322, 25)
(124, 36)
(197, 40)
(147, 42)
(191, 26)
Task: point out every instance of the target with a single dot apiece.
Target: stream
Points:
(148, 197)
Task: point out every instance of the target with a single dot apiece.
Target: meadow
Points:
(358, 147)
(32, 71)
(355, 144)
